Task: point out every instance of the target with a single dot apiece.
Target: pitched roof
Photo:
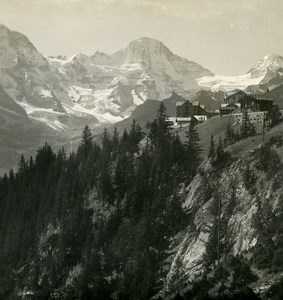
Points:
(261, 97)
(231, 93)
(223, 105)
(201, 118)
(183, 119)
(196, 103)
(180, 103)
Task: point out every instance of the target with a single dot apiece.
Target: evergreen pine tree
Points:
(275, 116)
(87, 142)
(22, 165)
(115, 141)
(193, 151)
(229, 135)
(221, 156)
(160, 132)
(211, 153)
(247, 128)
(135, 136)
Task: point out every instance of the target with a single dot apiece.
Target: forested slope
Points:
(125, 219)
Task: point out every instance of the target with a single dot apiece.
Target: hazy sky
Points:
(225, 36)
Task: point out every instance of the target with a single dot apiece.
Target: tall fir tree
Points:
(211, 152)
(193, 151)
(247, 128)
(87, 142)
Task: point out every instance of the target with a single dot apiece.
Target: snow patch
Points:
(46, 93)
(136, 98)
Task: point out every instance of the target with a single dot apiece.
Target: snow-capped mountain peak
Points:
(104, 87)
(17, 50)
(144, 69)
(267, 71)
(271, 62)
(148, 45)
(146, 51)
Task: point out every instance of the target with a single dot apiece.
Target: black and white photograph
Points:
(141, 149)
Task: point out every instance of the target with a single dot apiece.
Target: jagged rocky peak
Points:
(62, 57)
(99, 53)
(17, 50)
(275, 60)
(144, 51)
(154, 57)
(100, 58)
(80, 58)
(271, 62)
(148, 45)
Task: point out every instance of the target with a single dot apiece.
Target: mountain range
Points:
(104, 88)
(54, 97)
(147, 213)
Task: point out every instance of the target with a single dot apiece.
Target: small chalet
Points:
(229, 108)
(184, 109)
(200, 118)
(186, 121)
(198, 109)
(238, 101)
(234, 96)
(187, 112)
(256, 103)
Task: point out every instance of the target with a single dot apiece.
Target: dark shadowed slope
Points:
(277, 95)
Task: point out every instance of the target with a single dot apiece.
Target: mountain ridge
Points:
(260, 76)
(104, 87)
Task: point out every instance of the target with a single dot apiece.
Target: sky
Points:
(226, 36)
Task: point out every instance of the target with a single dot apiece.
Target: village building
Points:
(186, 121)
(200, 118)
(184, 109)
(229, 108)
(187, 112)
(198, 109)
(239, 101)
(256, 103)
(234, 96)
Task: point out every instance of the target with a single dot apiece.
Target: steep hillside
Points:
(277, 95)
(242, 204)
(125, 219)
(15, 126)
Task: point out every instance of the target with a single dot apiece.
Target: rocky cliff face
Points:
(28, 78)
(247, 214)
